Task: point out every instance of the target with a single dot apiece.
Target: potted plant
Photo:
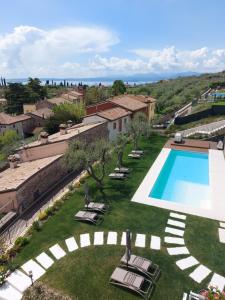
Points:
(213, 293)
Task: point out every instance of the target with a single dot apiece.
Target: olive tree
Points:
(83, 155)
(119, 147)
(137, 127)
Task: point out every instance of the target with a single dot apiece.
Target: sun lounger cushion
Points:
(117, 175)
(95, 205)
(134, 155)
(127, 278)
(122, 170)
(138, 262)
(86, 214)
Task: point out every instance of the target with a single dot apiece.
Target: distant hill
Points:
(137, 78)
(171, 94)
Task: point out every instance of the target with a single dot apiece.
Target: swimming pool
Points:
(184, 179)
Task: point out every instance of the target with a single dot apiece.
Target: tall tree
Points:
(118, 87)
(15, 95)
(34, 84)
(63, 113)
(83, 155)
(8, 143)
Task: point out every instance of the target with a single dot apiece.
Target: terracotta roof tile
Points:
(44, 113)
(128, 102)
(8, 119)
(143, 98)
(58, 100)
(114, 113)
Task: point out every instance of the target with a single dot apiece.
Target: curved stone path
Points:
(19, 281)
(176, 226)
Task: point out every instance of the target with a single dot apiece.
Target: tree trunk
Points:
(99, 181)
(120, 159)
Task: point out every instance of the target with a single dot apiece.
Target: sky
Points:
(92, 38)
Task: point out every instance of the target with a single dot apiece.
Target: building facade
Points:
(22, 124)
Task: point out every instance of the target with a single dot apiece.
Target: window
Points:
(125, 121)
(114, 125)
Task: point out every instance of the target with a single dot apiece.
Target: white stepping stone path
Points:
(71, 244)
(7, 292)
(176, 223)
(19, 281)
(184, 296)
(174, 231)
(187, 262)
(112, 238)
(178, 251)
(222, 235)
(222, 224)
(123, 238)
(155, 243)
(85, 240)
(217, 280)
(99, 238)
(140, 240)
(36, 269)
(173, 240)
(200, 273)
(44, 260)
(57, 251)
(177, 216)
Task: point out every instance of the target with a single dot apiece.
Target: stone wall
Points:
(39, 183)
(51, 149)
(7, 201)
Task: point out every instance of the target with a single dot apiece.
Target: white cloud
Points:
(172, 59)
(169, 59)
(77, 51)
(32, 51)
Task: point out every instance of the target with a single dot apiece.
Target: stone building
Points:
(117, 119)
(23, 183)
(38, 166)
(129, 102)
(22, 124)
(58, 143)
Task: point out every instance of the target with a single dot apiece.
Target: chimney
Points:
(69, 123)
(44, 137)
(63, 129)
(13, 161)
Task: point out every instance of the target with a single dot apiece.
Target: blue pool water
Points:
(184, 179)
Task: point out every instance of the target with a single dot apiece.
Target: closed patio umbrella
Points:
(86, 194)
(128, 246)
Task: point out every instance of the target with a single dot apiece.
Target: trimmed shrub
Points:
(70, 187)
(36, 225)
(42, 216)
(57, 205)
(77, 185)
(21, 241)
(3, 259)
(82, 180)
(12, 267)
(49, 211)
(13, 251)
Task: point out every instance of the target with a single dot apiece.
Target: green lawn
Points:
(85, 273)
